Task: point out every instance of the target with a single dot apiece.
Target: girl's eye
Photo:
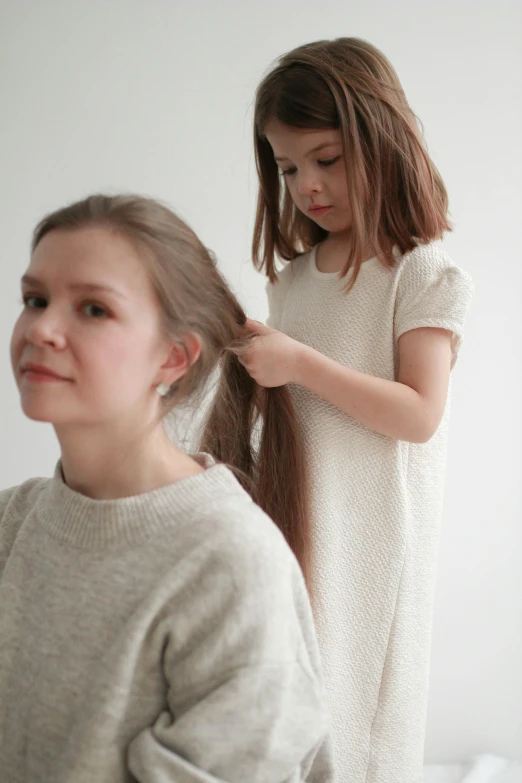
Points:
(92, 310)
(33, 302)
(288, 172)
(329, 161)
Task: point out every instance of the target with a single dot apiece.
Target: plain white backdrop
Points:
(154, 96)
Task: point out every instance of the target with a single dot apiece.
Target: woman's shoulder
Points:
(16, 500)
(238, 530)
(15, 505)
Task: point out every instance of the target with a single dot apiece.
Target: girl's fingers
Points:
(257, 327)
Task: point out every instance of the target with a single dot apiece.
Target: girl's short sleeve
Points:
(432, 292)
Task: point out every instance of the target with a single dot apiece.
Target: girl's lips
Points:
(318, 210)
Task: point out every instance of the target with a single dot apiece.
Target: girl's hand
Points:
(271, 357)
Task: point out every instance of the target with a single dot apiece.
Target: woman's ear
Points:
(182, 355)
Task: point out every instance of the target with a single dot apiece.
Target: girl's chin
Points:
(328, 223)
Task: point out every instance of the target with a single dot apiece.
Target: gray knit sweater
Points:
(157, 638)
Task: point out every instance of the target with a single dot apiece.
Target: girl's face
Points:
(88, 347)
(313, 165)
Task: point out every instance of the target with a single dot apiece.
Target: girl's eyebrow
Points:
(311, 152)
(86, 287)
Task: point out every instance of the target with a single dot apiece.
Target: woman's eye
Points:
(33, 302)
(94, 311)
(289, 171)
(329, 161)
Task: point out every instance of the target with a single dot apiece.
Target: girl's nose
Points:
(308, 183)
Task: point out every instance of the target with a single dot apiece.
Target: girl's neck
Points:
(332, 253)
(107, 468)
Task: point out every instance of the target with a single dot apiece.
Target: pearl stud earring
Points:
(163, 389)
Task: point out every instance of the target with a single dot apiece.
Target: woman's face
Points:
(88, 347)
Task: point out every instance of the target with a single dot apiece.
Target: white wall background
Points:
(154, 96)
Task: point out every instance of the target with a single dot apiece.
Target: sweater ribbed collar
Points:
(102, 524)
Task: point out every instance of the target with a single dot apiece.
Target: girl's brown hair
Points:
(396, 194)
(195, 298)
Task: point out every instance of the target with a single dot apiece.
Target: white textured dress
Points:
(376, 505)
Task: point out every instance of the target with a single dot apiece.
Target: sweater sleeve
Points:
(5, 497)
(245, 698)
(15, 504)
(432, 292)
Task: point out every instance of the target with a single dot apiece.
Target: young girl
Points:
(369, 315)
(154, 625)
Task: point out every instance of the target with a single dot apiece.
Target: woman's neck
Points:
(106, 467)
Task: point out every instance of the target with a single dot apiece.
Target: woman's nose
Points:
(47, 329)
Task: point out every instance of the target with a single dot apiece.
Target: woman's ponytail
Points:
(254, 431)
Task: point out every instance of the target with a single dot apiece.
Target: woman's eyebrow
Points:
(87, 287)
